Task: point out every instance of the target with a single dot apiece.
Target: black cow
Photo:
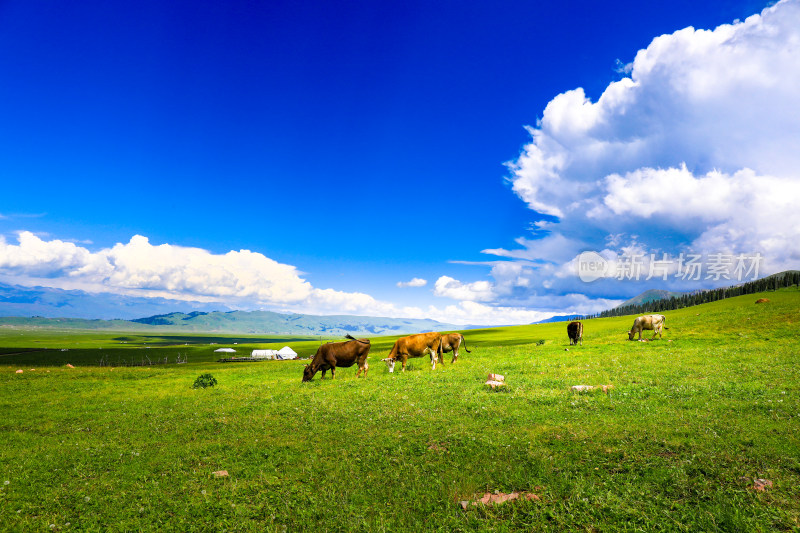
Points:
(575, 332)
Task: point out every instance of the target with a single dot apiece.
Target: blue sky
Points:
(349, 147)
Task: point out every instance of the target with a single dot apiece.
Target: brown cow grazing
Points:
(415, 346)
(575, 333)
(653, 322)
(450, 343)
(331, 355)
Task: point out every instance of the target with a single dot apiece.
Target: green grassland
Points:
(693, 418)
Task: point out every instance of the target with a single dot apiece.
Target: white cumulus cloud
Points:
(239, 279)
(448, 287)
(415, 282)
(695, 151)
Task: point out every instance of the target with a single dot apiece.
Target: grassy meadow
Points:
(675, 446)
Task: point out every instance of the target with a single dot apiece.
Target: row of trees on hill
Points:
(770, 283)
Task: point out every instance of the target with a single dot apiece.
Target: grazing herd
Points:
(345, 354)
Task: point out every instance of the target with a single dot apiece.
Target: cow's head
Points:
(631, 335)
(308, 373)
(389, 363)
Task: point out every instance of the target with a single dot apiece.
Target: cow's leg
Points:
(455, 356)
(333, 372)
(323, 373)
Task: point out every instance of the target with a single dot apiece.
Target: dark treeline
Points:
(770, 283)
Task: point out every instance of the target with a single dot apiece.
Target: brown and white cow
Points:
(415, 346)
(450, 343)
(653, 322)
(575, 333)
(334, 355)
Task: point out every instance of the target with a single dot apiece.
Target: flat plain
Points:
(693, 419)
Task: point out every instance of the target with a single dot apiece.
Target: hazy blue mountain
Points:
(292, 324)
(52, 303)
(559, 318)
(46, 307)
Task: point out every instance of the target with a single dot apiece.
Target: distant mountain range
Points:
(651, 295)
(55, 308)
(559, 318)
(48, 302)
(292, 324)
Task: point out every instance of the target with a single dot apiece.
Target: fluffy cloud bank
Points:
(141, 268)
(242, 279)
(695, 151)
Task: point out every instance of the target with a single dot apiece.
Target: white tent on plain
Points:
(287, 353)
(264, 354)
(283, 353)
(225, 350)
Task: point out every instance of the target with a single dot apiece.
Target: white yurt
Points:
(287, 353)
(224, 350)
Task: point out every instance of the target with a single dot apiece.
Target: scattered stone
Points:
(566, 349)
(495, 380)
(19, 371)
(70, 366)
(761, 485)
(220, 473)
(762, 300)
(498, 498)
(586, 388)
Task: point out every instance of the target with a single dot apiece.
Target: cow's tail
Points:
(362, 341)
(464, 343)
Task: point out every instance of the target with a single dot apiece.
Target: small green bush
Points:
(203, 381)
